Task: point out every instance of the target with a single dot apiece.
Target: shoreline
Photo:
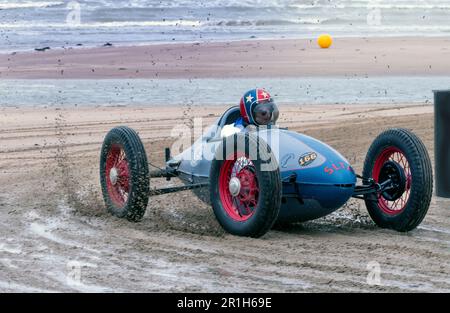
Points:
(348, 57)
(213, 41)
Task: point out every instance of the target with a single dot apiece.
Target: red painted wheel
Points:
(393, 205)
(399, 156)
(238, 187)
(117, 175)
(124, 174)
(245, 193)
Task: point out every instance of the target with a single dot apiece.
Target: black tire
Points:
(268, 204)
(417, 191)
(132, 152)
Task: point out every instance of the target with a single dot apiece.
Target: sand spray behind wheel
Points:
(73, 184)
(75, 174)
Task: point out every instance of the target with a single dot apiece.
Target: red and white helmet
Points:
(258, 108)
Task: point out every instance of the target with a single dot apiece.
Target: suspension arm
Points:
(161, 191)
(373, 188)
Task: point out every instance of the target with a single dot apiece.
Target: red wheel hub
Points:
(396, 155)
(238, 187)
(117, 175)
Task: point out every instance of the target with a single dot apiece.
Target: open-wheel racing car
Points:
(261, 176)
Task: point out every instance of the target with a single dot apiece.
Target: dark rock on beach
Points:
(42, 49)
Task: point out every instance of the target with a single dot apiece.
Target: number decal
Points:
(307, 159)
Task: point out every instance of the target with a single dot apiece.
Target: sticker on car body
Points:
(307, 158)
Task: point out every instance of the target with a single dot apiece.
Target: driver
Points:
(257, 108)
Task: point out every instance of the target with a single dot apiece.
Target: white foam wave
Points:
(373, 5)
(29, 4)
(164, 23)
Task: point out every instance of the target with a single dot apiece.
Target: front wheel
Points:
(245, 185)
(124, 174)
(399, 155)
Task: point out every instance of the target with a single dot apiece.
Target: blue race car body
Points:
(316, 179)
(265, 175)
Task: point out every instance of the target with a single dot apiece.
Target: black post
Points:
(168, 157)
(167, 154)
(442, 142)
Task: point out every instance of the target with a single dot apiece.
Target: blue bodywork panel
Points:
(317, 179)
(324, 183)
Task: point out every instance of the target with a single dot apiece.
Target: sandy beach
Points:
(348, 57)
(70, 71)
(52, 214)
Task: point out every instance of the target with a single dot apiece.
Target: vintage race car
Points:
(261, 176)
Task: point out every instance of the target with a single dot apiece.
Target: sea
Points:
(29, 24)
(191, 92)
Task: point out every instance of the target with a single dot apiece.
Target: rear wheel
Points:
(399, 155)
(245, 194)
(124, 174)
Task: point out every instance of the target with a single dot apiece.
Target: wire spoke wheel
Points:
(118, 176)
(124, 174)
(245, 198)
(401, 157)
(239, 188)
(398, 204)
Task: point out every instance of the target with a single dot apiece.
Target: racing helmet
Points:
(258, 107)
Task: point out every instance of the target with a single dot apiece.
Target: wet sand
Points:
(52, 217)
(348, 57)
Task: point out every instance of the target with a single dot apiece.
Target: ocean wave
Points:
(175, 4)
(418, 6)
(163, 23)
(283, 22)
(234, 4)
(29, 5)
(337, 24)
(372, 5)
(336, 21)
(269, 22)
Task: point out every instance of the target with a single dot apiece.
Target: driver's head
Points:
(258, 108)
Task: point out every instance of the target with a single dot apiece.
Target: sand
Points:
(348, 57)
(53, 221)
(57, 236)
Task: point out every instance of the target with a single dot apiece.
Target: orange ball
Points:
(324, 41)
